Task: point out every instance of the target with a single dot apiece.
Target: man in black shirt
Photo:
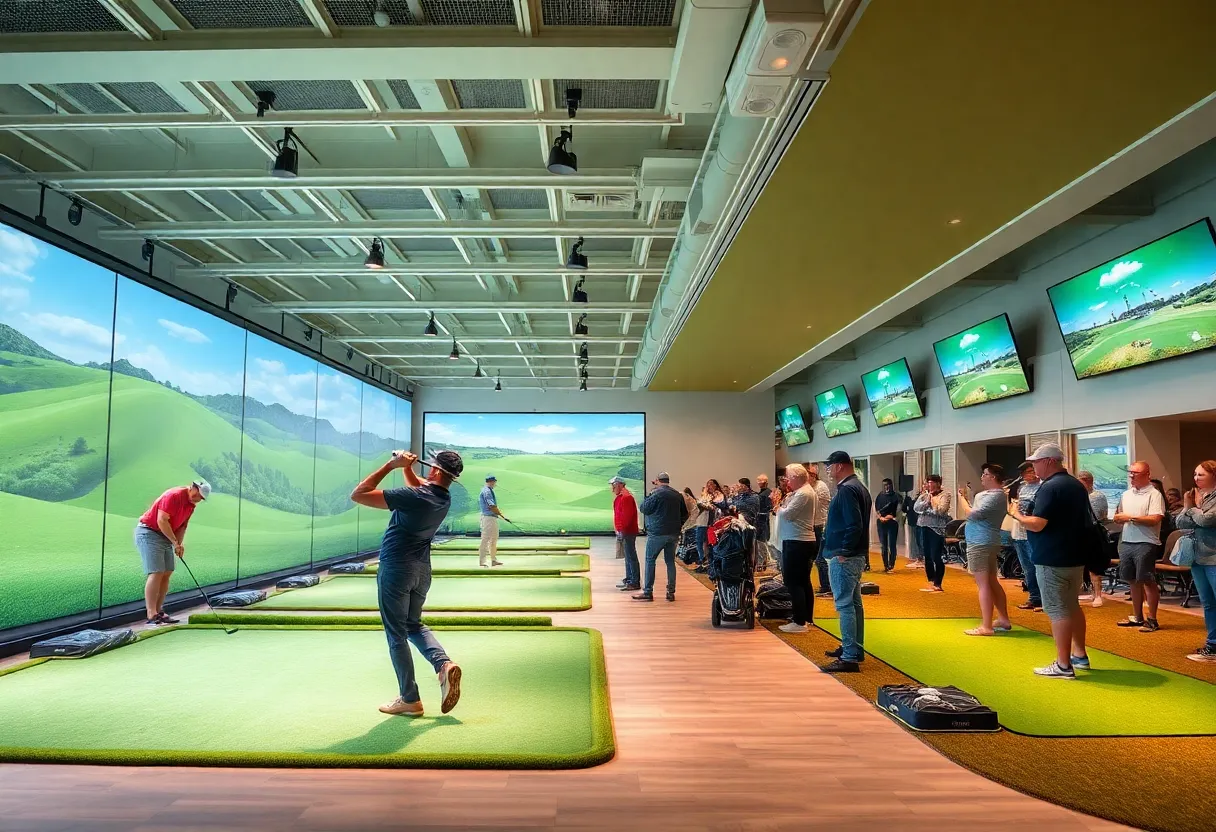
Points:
(404, 577)
(886, 506)
(1056, 526)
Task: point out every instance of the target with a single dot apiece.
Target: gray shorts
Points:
(1138, 562)
(1060, 586)
(154, 549)
(982, 557)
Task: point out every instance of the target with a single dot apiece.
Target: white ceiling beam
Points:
(487, 339)
(366, 179)
(320, 119)
(318, 15)
(511, 356)
(349, 229)
(513, 268)
(131, 18)
(458, 307)
(400, 53)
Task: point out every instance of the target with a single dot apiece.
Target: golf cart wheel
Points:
(715, 614)
(750, 614)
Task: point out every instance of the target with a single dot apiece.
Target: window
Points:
(1103, 453)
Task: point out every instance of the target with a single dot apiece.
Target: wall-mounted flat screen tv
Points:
(793, 429)
(981, 364)
(891, 394)
(1155, 302)
(835, 412)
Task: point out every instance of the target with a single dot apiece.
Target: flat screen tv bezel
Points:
(915, 393)
(1060, 327)
(1021, 363)
(848, 401)
(802, 418)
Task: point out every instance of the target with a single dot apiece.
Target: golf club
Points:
(205, 598)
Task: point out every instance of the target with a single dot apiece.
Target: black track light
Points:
(287, 161)
(455, 353)
(147, 250)
(40, 218)
(561, 160)
(582, 385)
(574, 97)
(375, 257)
(431, 329)
(578, 295)
(580, 328)
(350, 354)
(498, 383)
(479, 373)
(577, 260)
(265, 101)
(308, 333)
(583, 355)
(75, 212)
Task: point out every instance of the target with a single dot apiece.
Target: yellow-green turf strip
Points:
(449, 564)
(487, 593)
(234, 618)
(561, 544)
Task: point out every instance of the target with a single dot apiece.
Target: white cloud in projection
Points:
(551, 429)
(183, 333)
(196, 381)
(536, 433)
(18, 254)
(13, 297)
(338, 401)
(70, 337)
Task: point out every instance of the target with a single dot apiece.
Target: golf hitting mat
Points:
(308, 697)
(489, 593)
(455, 564)
(1117, 697)
(509, 544)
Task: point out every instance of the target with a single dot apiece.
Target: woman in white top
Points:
(798, 547)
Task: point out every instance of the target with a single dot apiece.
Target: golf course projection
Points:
(891, 394)
(111, 393)
(552, 468)
(793, 430)
(981, 364)
(1155, 302)
(835, 412)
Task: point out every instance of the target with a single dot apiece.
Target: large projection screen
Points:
(552, 468)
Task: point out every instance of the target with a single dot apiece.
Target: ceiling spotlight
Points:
(265, 101)
(431, 329)
(308, 333)
(375, 257)
(75, 212)
(455, 353)
(350, 354)
(561, 160)
(578, 295)
(287, 161)
(230, 296)
(498, 383)
(577, 260)
(582, 385)
(380, 16)
(583, 355)
(479, 373)
(40, 218)
(574, 97)
(147, 250)
(580, 328)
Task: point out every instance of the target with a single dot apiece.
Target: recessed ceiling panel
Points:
(474, 94)
(608, 12)
(610, 95)
(145, 97)
(469, 12)
(21, 16)
(311, 95)
(90, 98)
(506, 199)
(429, 244)
(392, 199)
(243, 14)
(404, 95)
(360, 12)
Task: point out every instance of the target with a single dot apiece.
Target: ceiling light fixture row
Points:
(431, 330)
(562, 160)
(580, 328)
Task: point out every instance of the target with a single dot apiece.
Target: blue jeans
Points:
(846, 591)
(665, 543)
(1205, 586)
(702, 534)
(629, 545)
(821, 565)
(1028, 571)
(402, 586)
(887, 532)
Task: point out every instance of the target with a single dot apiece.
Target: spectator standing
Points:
(1021, 541)
(625, 522)
(932, 515)
(665, 513)
(846, 544)
(823, 499)
(916, 555)
(1056, 529)
(798, 548)
(983, 535)
(1198, 520)
(747, 505)
(707, 505)
(886, 509)
(1101, 510)
(1141, 510)
(1173, 501)
(1167, 519)
(764, 527)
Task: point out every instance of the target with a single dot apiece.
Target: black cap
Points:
(449, 462)
(1024, 466)
(839, 458)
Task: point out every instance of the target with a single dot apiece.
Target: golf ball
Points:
(563, 531)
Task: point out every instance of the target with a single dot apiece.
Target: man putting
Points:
(405, 571)
(161, 534)
(488, 548)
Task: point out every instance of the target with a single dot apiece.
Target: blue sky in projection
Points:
(536, 432)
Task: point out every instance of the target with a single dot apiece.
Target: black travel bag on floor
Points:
(936, 709)
(773, 600)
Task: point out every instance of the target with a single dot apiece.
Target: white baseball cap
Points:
(615, 481)
(1048, 450)
(203, 487)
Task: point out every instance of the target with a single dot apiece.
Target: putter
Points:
(205, 598)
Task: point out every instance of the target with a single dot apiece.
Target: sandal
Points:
(976, 631)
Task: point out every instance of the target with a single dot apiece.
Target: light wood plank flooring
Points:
(716, 730)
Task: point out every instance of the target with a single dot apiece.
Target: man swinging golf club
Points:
(404, 576)
(161, 534)
(490, 512)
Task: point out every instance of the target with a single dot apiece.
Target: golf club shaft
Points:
(205, 598)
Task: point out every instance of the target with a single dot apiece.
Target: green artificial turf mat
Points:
(1118, 697)
(296, 619)
(482, 592)
(308, 697)
(506, 544)
(450, 564)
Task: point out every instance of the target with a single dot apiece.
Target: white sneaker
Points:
(449, 686)
(496, 563)
(484, 565)
(1054, 671)
(791, 627)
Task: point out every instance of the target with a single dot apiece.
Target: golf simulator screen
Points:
(552, 468)
(835, 412)
(793, 430)
(981, 364)
(1155, 302)
(112, 393)
(891, 394)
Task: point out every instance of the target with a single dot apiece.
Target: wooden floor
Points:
(718, 730)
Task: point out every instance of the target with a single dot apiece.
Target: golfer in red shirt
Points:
(625, 521)
(160, 535)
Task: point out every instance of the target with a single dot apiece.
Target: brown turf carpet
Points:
(1091, 775)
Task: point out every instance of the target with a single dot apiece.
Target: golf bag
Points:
(298, 581)
(773, 599)
(238, 598)
(80, 644)
(686, 551)
(348, 568)
(732, 570)
(936, 709)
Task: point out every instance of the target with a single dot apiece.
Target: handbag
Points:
(1097, 546)
(1184, 551)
